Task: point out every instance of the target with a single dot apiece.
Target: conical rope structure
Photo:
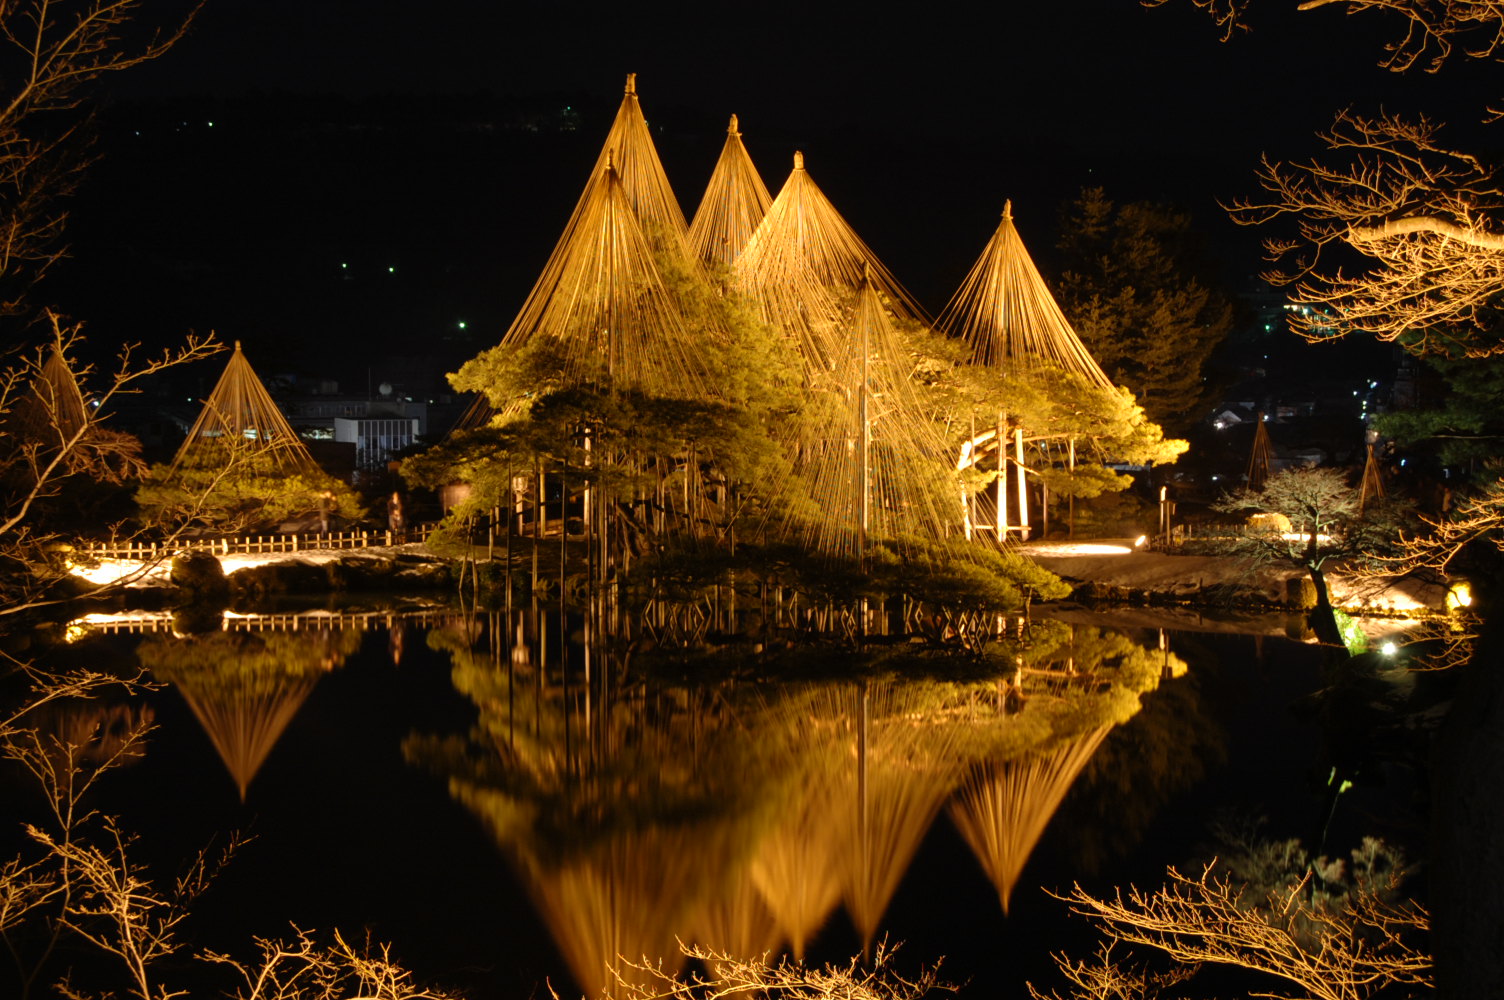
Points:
(608, 314)
(1259, 460)
(601, 300)
(1373, 481)
(803, 265)
(868, 456)
(53, 409)
(240, 418)
(873, 464)
(630, 143)
(1003, 808)
(735, 203)
(1005, 311)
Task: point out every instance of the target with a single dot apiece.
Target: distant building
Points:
(377, 439)
(377, 426)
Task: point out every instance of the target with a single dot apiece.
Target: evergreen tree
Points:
(1133, 294)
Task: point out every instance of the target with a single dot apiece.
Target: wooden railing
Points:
(253, 544)
(162, 621)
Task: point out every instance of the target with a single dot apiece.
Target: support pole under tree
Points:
(865, 478)
(1000, 522)
(1072, 513)
(1023, 484)
(511, 500)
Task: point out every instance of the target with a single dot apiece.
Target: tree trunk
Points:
(1467, 829)
(1323, 617)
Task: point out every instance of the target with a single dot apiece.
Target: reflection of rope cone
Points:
(92, 732)
(631, 899)
(1002, 809)
(906, 768)
(873, 770)
(737, 921)
(796, 874)
(244, 726)
(245, 688)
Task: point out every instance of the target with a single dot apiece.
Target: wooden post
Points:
(1072, 511)
(1000, 523)
(1023, 484)
(510, 504)
(865, 481)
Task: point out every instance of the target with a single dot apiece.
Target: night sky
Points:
(320, 223)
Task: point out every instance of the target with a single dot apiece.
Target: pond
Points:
(512, 811)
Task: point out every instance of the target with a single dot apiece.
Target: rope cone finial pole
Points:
(798, 160)
(1008, 208)
(631, 84)
(733, 128)
(237, 346)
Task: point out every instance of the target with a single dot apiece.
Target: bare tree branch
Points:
(1364, 949)
(1414, 227)
(50, 51)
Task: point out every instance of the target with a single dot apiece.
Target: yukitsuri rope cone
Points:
(735, 203)
(52, 410)
(600, 300)
(803, 265)
(868, 459)
(873, 465)
(239, 416)
(630, 143)
(1260, 458)
(609, 315)
(1373, 482)
(1006, 313)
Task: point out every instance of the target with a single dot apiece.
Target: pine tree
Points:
(1132, 292)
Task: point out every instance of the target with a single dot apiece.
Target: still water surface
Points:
(509, 821)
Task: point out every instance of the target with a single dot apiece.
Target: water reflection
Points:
(88, 733)
(245, 687)
(740, 809)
